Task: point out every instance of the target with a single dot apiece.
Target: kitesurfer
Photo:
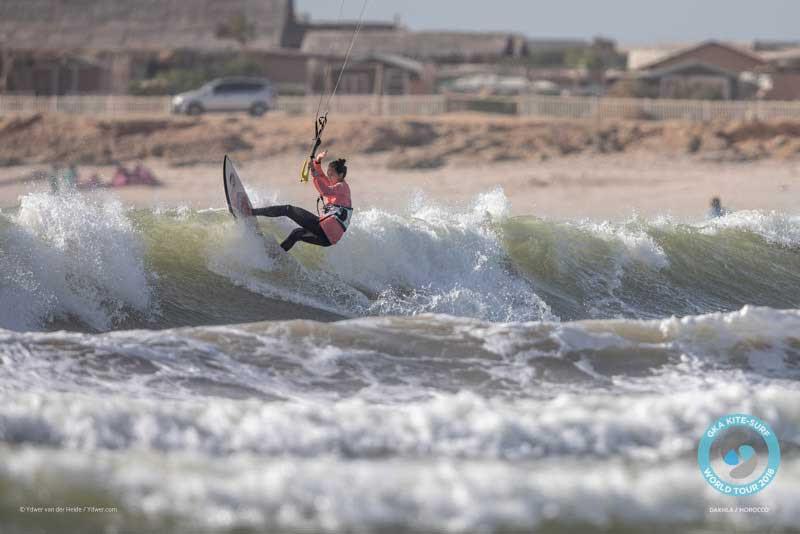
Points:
(328, 228)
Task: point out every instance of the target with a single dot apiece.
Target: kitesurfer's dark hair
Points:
(339, 165)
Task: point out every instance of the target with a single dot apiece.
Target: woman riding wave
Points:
(327, 229)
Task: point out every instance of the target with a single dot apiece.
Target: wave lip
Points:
(71, 256)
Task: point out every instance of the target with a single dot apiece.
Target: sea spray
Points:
(438, 258)
(71, 256)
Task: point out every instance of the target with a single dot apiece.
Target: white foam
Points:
(71, 255)
(637, 245)
(436, 258)
(638, 426)
(333, 494)
(759, 333)
(257, 262)
(775, 227)
(623, 454)
(432, 258)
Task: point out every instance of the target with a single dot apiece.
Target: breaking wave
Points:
(85, 263)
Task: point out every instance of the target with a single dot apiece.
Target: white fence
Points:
(542, 106)
(365, 104)
(158, 105)
(662, 109)
(85, 105)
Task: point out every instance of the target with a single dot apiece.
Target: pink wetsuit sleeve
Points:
(321, 180)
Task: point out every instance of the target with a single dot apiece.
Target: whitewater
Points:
(445, 368)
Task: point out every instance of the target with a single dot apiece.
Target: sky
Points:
(627, 21)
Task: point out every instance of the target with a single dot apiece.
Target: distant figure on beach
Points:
(337, 210)
(140, 175)
(716, 209)
(63, 178)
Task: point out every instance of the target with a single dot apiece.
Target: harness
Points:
(340, 213)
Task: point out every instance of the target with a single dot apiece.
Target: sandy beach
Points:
(650, 171)
(611, 186)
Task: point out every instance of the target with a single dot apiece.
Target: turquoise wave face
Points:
(85, 263)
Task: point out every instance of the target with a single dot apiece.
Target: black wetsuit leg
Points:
(301, 234)
(310, 231)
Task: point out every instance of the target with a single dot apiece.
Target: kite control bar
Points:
(322, 120)
(319, 127)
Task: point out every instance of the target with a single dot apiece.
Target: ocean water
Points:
(443, 369)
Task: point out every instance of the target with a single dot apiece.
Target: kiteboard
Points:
(238, 202)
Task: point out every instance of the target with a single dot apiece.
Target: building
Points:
(100, 46)
(641, 56)
(426, 46)
(377, 73)
(714, 70)
(709, 70)
(784, 73)
(56, 47)
(720, 55)
(119, 25)
(472, 61)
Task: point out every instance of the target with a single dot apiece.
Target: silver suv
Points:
(227, 94)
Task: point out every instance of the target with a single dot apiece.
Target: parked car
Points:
(254, 95)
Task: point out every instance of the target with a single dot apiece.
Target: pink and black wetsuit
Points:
(337, 209)
(323, 231)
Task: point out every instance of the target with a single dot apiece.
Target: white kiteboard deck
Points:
(238, 202)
